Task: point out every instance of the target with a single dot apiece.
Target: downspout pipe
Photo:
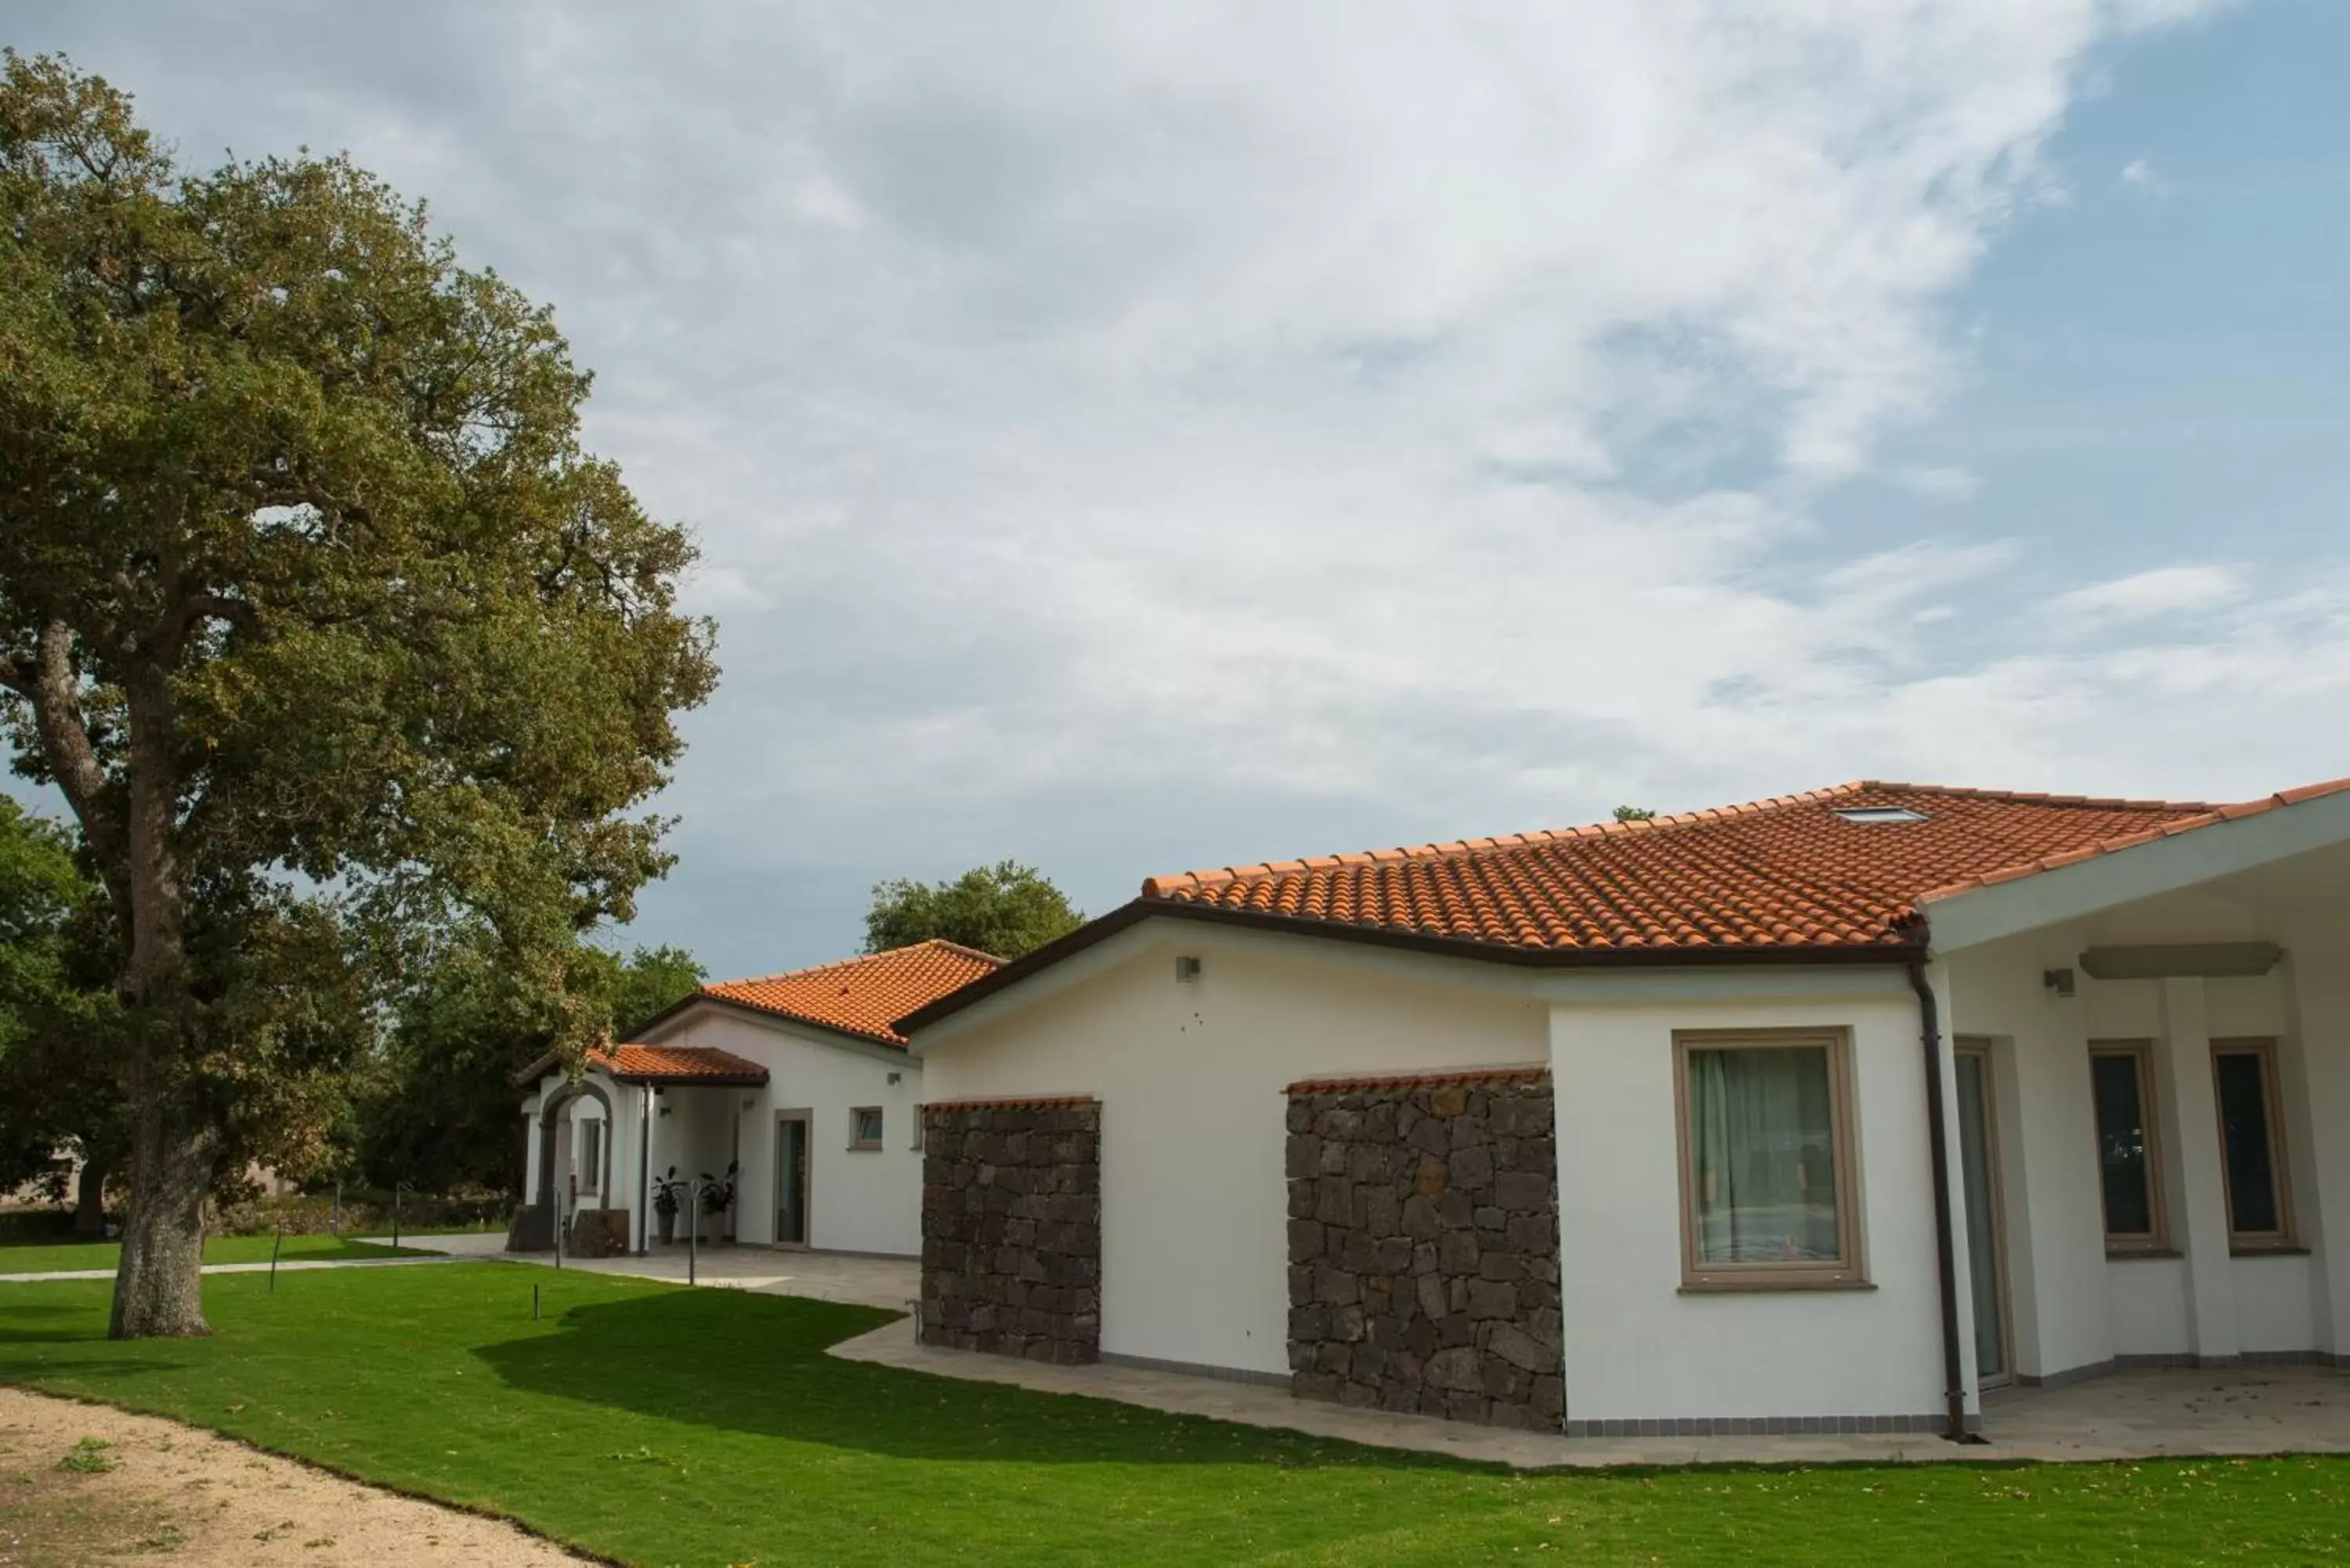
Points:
(1937, 1139)
(644, 1162)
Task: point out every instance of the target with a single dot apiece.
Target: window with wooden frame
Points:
(2252, 1145)
(865, 1127)
(2129, 1151)
(1768, 1185)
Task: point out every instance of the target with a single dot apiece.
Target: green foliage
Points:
(437, 1381)
(315, 613)
(437, 1106)
(58, 1091)
(1634, 813)
(1006, 910)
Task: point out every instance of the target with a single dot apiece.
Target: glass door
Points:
(1986, 1254)
(792, 1180)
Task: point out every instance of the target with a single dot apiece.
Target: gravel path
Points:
(87, 1484)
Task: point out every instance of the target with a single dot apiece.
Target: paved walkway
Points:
(2130, 1415)
(891, 1283)
(286, 1266)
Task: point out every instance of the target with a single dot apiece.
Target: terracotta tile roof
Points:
(1419, 1080)
(863, 995)
(1788, 872)
(655, 1064)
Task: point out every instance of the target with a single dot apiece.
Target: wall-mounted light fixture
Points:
(895, 1078)
(2059, 980)
(1187, 970)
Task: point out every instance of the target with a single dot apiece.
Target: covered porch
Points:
(600, 1146)
(2151, 1068)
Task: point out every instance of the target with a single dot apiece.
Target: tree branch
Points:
(171, 637)
(66, 749)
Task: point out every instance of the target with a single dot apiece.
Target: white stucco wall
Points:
(1637, 1346)
(859, 1201)
(1190, 1077)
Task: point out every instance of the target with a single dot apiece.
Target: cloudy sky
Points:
(1129, 438)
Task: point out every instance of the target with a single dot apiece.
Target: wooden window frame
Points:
(2131, 1243)
(857, 1142)
(2281, 1240)
(1848, 1272)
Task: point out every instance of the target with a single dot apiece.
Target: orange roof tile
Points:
(863, 995)
(658, 1064)
(1788, 872)
(704, 1063)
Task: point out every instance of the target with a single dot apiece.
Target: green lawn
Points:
(661, 1426)
(47, 1258)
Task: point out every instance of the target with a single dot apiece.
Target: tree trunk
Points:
(158, 1288)
(89, 1199)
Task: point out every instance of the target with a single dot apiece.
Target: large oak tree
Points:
(314, 610)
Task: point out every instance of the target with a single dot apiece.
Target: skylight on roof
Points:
(1875, 814)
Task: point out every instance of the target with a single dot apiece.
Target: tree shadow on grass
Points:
(756, 1363)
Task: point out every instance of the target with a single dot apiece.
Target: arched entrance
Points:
(533, 1223)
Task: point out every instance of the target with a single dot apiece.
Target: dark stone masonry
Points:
(1012, 1229)
(1423, 1247)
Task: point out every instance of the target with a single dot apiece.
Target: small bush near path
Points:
(660, 1425)
(89, 1457)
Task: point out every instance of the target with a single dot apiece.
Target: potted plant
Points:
(665, 1205)
(717, 1198)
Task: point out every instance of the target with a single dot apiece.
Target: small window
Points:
(1766, 1162)
(2129, 1167)
(2251, 1153)
(1871, 813)
(865, 1127)
(917, 1119)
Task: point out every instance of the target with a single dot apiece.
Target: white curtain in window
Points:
(1762, 1155)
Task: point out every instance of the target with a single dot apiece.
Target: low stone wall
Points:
(1423, 1247)
(1012, 1229)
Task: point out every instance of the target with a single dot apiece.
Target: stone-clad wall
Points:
(1423, 1247)
(1012, 1229)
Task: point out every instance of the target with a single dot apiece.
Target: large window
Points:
(2260, 1202)
(1766, 1160)
(2121, 1081)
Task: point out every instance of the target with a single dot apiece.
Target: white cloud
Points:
(2139, 176)
(1940, 484)
(1133, 433)
(2163, 591)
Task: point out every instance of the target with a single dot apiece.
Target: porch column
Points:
(2315, 1088)
(530, 1119)
(2193, 1179)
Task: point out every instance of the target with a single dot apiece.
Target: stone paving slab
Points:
(287, 1266)
(2131, 1415)
(887, 1283)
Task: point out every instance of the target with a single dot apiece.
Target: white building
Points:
(794, 1083)
(2125, 1025)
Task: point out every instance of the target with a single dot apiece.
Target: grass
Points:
(62, 1256)
(660, 1425)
